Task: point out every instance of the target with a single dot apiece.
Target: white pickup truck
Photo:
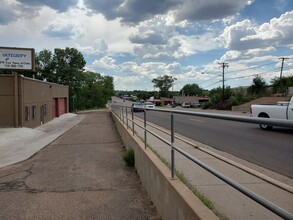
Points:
(283, 110)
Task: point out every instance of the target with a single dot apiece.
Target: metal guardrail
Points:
(268, 121)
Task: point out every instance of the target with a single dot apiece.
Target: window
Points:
(27, 113)
(34, 109)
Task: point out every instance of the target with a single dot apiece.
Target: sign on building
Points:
(13, 58)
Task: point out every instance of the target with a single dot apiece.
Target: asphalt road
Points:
(270, 149)
(81, 175)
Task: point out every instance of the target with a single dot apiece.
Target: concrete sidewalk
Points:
(80, 175)
(14, 142)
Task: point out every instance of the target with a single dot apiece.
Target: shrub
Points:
(206, 105)
(129, 157)
(233, 101)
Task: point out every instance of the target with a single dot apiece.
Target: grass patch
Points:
(129, 157)
(184, 180)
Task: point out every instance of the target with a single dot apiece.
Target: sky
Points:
(135, 41)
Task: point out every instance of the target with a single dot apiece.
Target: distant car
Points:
(185, 105)
(148, 105)
(196, 104)
(137, 107)
(173, 105)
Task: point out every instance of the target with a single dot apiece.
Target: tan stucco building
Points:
(26, 102)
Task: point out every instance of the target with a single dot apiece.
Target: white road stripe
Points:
(197, 120)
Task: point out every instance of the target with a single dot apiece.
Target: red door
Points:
(55, 108)
(62, 106)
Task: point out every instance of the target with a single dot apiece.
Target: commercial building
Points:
(190, 99)
(26, 102)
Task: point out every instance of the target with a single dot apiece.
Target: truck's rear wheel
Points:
(263, 126)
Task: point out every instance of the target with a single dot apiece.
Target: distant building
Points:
(190, 99)
(27, 102)
(290, 91)
(162, 101)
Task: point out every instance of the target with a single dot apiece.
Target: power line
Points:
(262, 73)
(247, 76)
(212, 84)
(253, 67)
(207, 80)
(240, 77)
(250, 68)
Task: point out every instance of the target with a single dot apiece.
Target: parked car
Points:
(185, 105)
(196, 104)
(148, 105)
(283, 110)
(173, 104)
(137, 107)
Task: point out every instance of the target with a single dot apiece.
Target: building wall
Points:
(189, 99)
(35, 101)
(290, 91)
(6, 101)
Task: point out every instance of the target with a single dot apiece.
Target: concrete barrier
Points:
(171, 197)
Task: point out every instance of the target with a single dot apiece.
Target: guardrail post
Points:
(126, 117)
(145, 132)
(172, 146)
(132, 117)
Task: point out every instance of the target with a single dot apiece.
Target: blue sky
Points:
(136, 41)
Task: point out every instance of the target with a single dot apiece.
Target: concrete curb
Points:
(231, 162)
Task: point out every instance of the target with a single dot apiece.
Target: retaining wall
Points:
(171, 197)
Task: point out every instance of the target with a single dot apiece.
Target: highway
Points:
(270, 149)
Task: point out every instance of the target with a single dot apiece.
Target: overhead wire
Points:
(267, 64)
(247, 76)
(212, 84)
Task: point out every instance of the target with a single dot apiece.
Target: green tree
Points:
(216, 98)
(281, 85)
(164, 83)
(258, 86)
(44, 66)
(67, 65)
(191, 90)
(108, 87)
(95, 91)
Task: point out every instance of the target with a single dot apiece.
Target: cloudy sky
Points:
(136, 41)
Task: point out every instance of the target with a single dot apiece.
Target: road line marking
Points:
(197, 120)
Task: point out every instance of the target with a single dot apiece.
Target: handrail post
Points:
(122, 115)
(145, 131)
(172, 146)
(126, 117)
(132, 117)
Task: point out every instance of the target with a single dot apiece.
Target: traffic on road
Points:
(269, 149)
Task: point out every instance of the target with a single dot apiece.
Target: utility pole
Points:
(281, 86)
(223, 65)
(282, 58)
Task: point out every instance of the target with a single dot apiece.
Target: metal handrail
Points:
(268, 121)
